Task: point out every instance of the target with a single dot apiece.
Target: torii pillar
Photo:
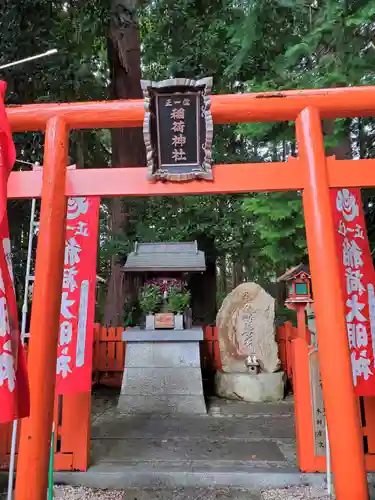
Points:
(33, 460)
(340, 402)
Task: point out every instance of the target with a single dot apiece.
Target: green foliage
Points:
(297, 44)
(279, 223)
(131, 315)
(220, 296)
(246, 46)
(150, 299)
(178, 301)
(77, 29)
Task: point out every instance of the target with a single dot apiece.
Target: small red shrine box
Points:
(164, 321)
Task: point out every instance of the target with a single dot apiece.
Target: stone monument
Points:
(249, 353)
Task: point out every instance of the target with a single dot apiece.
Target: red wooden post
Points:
(303, 332)
(344, 428)
(32, 470)
(302, 405)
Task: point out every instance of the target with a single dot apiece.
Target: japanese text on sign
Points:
(178, 121)
(14, 397)
(178, 126)
(357, 275)
(77, 299)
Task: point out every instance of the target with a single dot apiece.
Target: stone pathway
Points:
(69, 493)
(249, 447)
(231, 434)
(239, 451)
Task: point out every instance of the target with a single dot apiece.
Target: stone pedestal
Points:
(163, 372)
(247, 387)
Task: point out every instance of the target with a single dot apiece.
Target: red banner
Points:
(14, 390)
(74, 357)
(357, 278)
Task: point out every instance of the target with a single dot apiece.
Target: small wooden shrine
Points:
(162, 270)
(298, 284)
(163, 372)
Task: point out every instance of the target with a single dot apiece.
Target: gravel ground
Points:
(294, 493)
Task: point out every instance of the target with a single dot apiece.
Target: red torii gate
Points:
(312, 172)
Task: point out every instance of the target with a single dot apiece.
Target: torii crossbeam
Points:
(312, 172)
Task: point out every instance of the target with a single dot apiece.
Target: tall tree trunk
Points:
(237, 273)
(127, 144)
(203, 285)
(342, 150)
(223, 278)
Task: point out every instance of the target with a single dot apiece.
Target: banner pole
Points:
(51, 460)
(27, 59)
(23, 334)
(328, 464)
(12, 460)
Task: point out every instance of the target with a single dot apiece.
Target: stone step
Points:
(66, 492)
(169, 404)
(300, 491)
(114, 425)
(218, 407)
(187, 450)
(254, 478)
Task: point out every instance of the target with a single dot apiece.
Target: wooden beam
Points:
(236, 178)
(351, 173)
(233, 108)
(133, 181)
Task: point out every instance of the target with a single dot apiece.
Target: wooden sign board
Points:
(317, 405)
(178, 129)
(164, 321)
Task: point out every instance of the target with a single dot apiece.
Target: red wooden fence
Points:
(284, 336)
(298, 360)
(109, 356)
(110, 349)
(72, 434)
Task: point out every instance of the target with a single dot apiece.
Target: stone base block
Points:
(253, 388)
(162, 381)
(162, 377)
(169, 404)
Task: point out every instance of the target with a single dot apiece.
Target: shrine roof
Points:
(293, 271)
(184, 257)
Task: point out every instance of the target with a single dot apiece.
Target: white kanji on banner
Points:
(82, 229)
(74, 359)
(352, 254)
(371, 308)
(7, 367)
(69, 281)
(2, 286)
(65, 304)
(353, 281)
(4, 318)
(66, 333)
(355, 308)
(14, 391)
(360, 366)
(357, 335)
(77, 207)
(347, 205)
(63, 364)
(72, 251)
